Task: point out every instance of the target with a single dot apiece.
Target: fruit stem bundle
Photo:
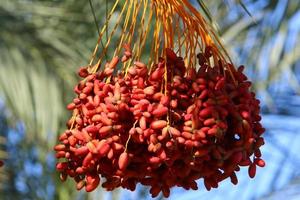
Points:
(162, 24)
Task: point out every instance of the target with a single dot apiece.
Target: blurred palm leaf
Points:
(37, 63)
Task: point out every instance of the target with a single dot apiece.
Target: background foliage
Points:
(43, 42)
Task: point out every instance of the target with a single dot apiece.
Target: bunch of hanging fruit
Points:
(167, 122)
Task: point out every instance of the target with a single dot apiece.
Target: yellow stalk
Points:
(102, 32)
(177, 25)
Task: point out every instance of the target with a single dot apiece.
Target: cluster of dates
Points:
(162, 127)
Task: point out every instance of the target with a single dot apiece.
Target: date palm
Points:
(43, 42)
